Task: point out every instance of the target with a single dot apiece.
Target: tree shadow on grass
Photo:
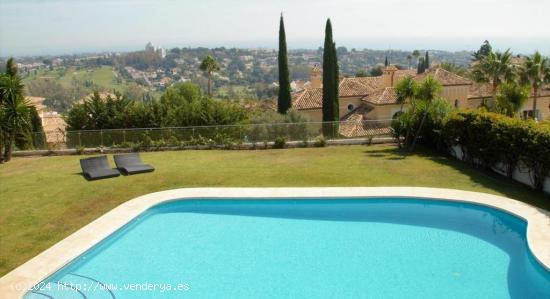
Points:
(485, 178)
(391, 153)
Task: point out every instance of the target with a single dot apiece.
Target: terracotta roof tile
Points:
(444, 77)
(355, 125)
(382, 96)
(371, 89)
(401, 74)
(309, 98)
(371, 82)
(350, 87)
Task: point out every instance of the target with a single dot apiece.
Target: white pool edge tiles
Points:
(15, 283)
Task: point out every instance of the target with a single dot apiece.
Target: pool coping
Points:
(16, 283)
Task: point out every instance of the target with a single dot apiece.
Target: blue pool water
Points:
(337, 248)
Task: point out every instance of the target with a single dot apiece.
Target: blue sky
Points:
(69, 26)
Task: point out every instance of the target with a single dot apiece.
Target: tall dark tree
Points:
(330, 83)
(427, 61)
(285, 101)
(483, 51)
(421, 66)
(386, 62)
(11, 67)
(32, 136)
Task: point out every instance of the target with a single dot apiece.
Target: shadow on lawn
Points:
(485, 178)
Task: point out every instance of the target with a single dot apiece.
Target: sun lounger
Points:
(97, 168)
(131, 164)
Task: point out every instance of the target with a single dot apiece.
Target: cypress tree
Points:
(386, 62)
(336, 95)
(285, 101)
(330, 82)
(421, 66)
(427, 61)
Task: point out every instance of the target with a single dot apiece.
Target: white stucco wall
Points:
(521, 173)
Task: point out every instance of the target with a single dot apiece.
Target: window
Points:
(351, 107)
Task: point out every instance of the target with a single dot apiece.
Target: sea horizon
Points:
(522, 46)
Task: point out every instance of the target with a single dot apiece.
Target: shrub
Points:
(487, 138)
(406, 125)
(280, 142)
(269, 124)
(80, 150)
(173, 141)
(146, 140)
(320, 141)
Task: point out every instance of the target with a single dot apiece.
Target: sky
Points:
(33, 27)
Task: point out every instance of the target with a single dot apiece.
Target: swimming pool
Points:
(308, 248)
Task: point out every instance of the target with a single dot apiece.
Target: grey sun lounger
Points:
(97, 168)
(131, 164)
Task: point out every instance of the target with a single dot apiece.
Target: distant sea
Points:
(517, 45)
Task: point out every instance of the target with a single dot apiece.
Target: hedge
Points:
(487, 139)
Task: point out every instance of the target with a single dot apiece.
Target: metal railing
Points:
(212, 135)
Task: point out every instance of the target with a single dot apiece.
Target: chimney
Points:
(388, 76)
(316, 78)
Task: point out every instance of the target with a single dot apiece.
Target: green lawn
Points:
(103, 76)
(43, 200)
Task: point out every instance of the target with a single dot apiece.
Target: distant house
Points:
(480, 94)
(374, 98)
(54, 127)
(52, 122)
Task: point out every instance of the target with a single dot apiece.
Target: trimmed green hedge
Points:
(489, 138)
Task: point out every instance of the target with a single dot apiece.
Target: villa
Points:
(52, 122)
(374, 98)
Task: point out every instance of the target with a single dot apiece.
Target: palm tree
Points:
(15, 111)
(209, 65)
(495, 68)
(535, 72)
(511, 97)
(409, 59)
(428, 91)
(405, 90)
(416, 54)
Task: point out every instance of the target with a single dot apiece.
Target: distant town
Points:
(243, 74)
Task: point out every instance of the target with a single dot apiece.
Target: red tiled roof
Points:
(444, 77)
(355, 125)
(382, 96)
(350, 87)
(371, 89)
(309, 98)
